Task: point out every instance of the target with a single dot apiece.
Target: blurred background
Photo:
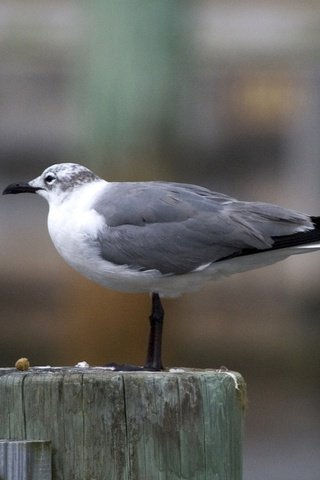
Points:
(225, 94)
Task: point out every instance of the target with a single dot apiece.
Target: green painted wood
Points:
(25, 460)
(128, 426)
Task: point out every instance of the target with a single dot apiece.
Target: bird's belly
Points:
(76, 240)
(82, 252)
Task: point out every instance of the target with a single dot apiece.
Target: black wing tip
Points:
(315, 221)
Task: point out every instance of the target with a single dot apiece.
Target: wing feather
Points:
(177, 228)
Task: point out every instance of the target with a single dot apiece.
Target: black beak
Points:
(21, 187)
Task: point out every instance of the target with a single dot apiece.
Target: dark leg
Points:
(153, 361)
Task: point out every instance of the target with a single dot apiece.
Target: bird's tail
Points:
(308, 239)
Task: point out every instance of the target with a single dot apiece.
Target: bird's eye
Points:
(49, 179)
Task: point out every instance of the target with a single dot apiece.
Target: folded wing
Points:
(177, 228)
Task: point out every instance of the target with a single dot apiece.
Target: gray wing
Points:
(177, 228)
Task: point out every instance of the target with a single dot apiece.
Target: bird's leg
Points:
(153, 361)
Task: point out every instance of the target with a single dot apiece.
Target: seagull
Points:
(160, 237)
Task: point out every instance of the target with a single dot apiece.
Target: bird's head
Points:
(55, 182)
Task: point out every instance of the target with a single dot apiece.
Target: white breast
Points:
(74, 226)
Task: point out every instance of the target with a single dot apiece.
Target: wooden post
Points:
(25, 460)
(3, 459)
(181, 424)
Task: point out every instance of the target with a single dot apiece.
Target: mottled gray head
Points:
(56, 181)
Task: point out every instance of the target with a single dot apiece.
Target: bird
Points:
(163, 238)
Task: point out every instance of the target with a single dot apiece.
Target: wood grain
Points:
(128, 426)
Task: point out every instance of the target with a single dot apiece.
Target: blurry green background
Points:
(221, 93)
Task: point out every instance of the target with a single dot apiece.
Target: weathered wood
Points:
(128, 426)
(25, 460)
(3, 459)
